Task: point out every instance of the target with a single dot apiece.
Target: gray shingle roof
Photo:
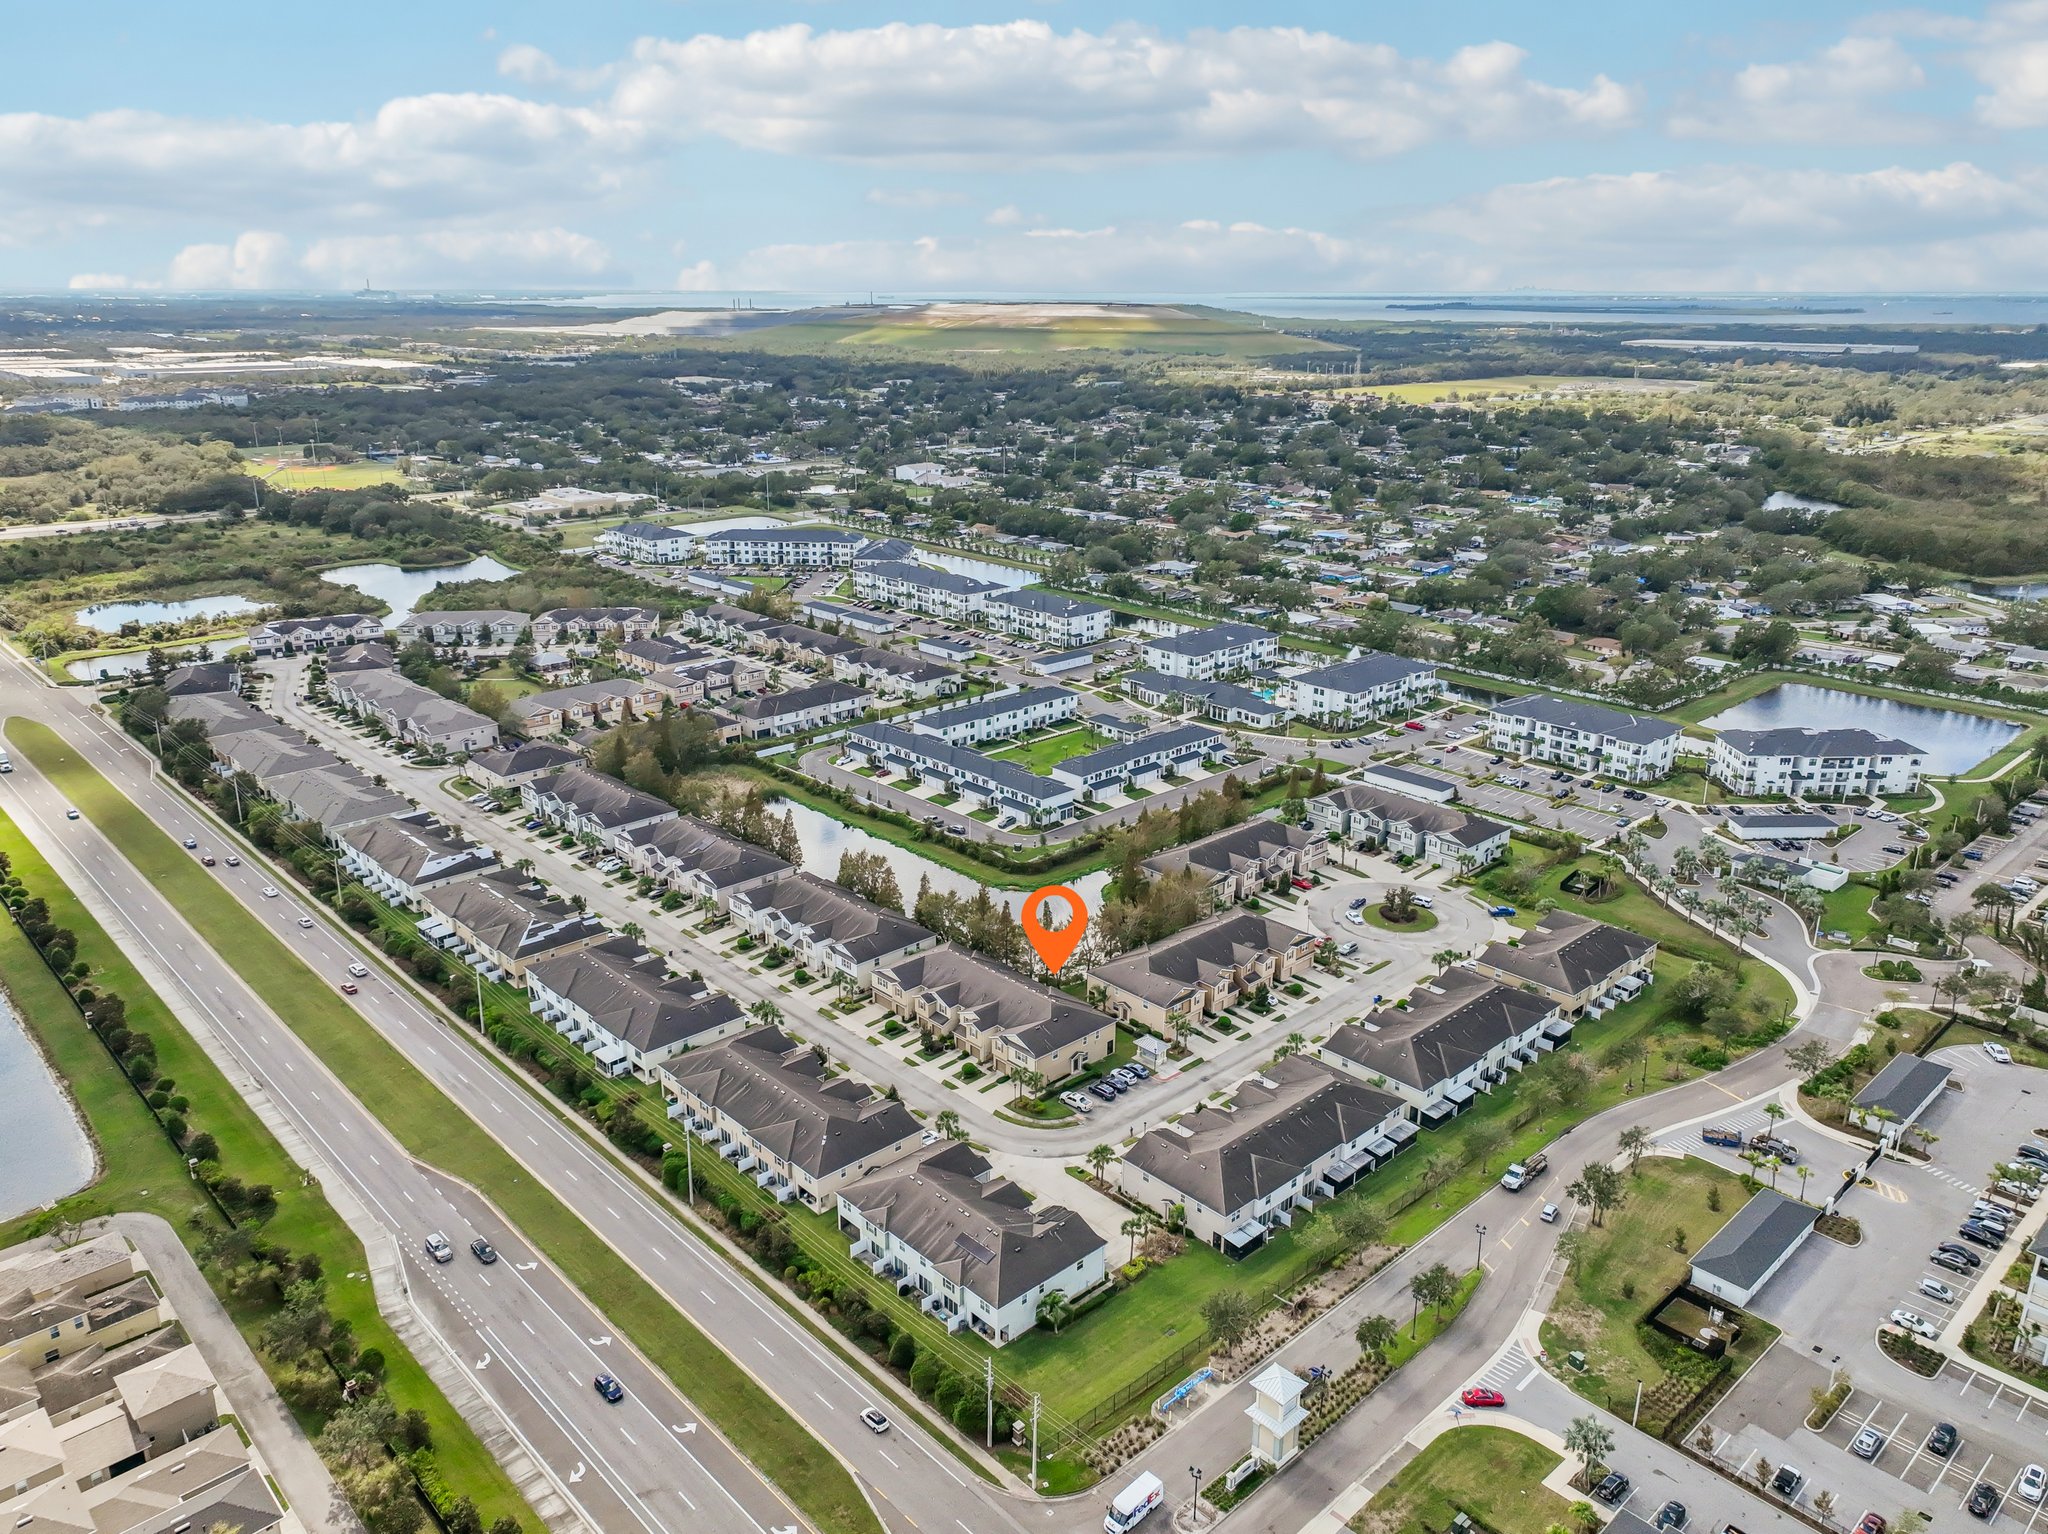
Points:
(1001, 1000)
(1227, 1157)
(1207, 641)
(1760, 1233)
(1033, 600)
(1568, 952)
(1804, 742)
(781, 704)
(722, 859)
(1902, 1086)
(1444, 820)
(1011, 778)
(596, 797)
(1168, 969)
(509, 917)
(863, 930)
(1225, 852)
(1440, 1035)
(929, 578)
(985, 1236)
(404, 845)
(623, 989)
(776, 1089)
(1371, 670)
(1640, 729)
(1150, 685)
(989, 707)
(1172, 744)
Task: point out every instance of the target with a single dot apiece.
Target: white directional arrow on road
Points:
(682, 1427)
(526, 1267)
(600, 1342)
(484, 1362)
(577, 1475)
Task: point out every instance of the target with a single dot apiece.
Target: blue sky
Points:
(1065, 147)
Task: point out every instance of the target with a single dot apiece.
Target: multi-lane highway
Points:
(651, 1462)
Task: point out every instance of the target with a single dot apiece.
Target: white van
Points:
(1133, 1503)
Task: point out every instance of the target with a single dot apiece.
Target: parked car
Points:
(1077, 1101)
(1872, 1523)
(1917, 1324)
(1500, 910)
(1961, 1258)
(1141, 1072)
(1614, 1489)
(439, 1249)
(1982, 1234)
(483, 1251)
(1943, 1440)
(1787, 1481)
(1102, 1090)
(1998, 1051)
(2033, 1482)
(1303, 884)
(1983, 1501)
(1478, 1395)
(609, 1388)
(1346, 950)
(1672, 1515)
(1935, 1289)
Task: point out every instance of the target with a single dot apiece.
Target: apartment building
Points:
(997, 716)
(1239, 861)
(503, 922)
(463, 630)
(1458, 1036)
(618, 1002)
(801, 710)
(1202, 971)
(649, 543)
(1046, 617)
(416, 715)
(782, 548)
(765, 1103)
(589, 625)
(828, 930)
(1225, 702)
(1364, 815)
(1581, 964)
(1011, 789)
(1142, 762)
(400, 857)
(972, 1246)
(589, 705)
(922, 589)
(1586, 737)
(587, 803)
(1815, 764)
(1356, 690)
(1207, 653)
(697, 858)
(1004, 1020)
(1296, 1134)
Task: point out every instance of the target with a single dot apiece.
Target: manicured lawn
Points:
(419, 1115)
(1625, 1267)
(1041, 755)
(1423, 921)
(1848, 910)
(141, 1170)
(1491, 1473)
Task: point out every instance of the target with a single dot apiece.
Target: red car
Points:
(1873, 1523)
(1304, 884)
(1412, 724)
(347, 989)
(1477, 1396)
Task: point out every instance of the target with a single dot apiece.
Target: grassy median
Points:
(141, 1171)
(416, 1113)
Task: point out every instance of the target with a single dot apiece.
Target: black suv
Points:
(1943, 1439)
(1614, 1490)
(1983, 1501)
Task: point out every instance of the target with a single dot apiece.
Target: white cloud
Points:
(2008, 53)
(914, 197)
(1020, 93)
(260, 259)
(1840, 95)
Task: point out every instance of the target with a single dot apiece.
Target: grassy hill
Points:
(1036, 329)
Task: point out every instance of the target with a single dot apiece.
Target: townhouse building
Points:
(1207, 653)
(896, 675)
(1046, 617)
(1201, 971)
(511, 765)
(401, 856)
(587, 803)
(334, 798)
(1585, 737)
(649, 543)
(1142, 762)
(996, 715)
(92, 1295)
(1583, 965)
(366, 655)
(1815, 764)
(589, 625)
(1239, 861)
(214, 676)
(463, 629)
(1356, 690)
(765, 1104)
(589, 705)
(1460, 1035)
(416, 715)
(972, 1246)
(1298, 1133)
(852, 621)
(801, 710)
(290, 636)
(782, 547)
(502, 922)
(653, 653)
(618, 1002)
(830, 931)
(699, 860)
(1003, 1019)
(922, 589)
(1364, 815)
(1225, 702)
(1013, 790)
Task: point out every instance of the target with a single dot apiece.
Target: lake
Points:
(1785, 500)
(137, 660)
(405, 590)
(51, 1156)
(825, 841)
(980, 569)
(1953, 741)
(112, 617)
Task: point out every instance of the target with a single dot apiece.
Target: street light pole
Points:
(1195, 1474)
(1632, 1416)
(1479, 1253)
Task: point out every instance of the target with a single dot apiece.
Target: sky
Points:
(835, 146)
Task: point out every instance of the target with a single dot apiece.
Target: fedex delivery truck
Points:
(1133, 1503)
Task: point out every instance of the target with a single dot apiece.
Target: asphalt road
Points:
(540, 1377)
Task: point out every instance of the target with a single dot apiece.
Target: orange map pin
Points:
(1054, 945)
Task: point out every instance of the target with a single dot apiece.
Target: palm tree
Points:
(1375, 1335)
(1634, 1141)
(948, 1124)
(1134, 1227)
(765, 1011)
(1099, 1159)
(1053, 1309)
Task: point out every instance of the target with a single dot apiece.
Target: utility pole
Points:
(988, 1380)
(1034, 1443)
